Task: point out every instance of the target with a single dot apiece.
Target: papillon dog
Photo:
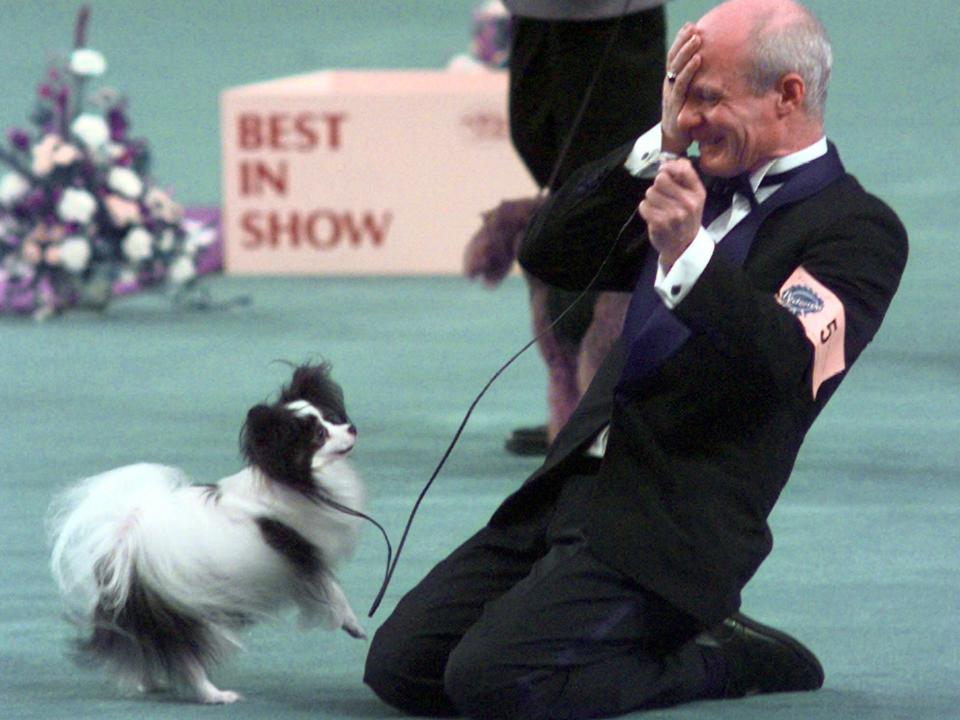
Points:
(159, 573)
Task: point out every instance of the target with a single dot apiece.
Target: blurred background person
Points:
(585, 77)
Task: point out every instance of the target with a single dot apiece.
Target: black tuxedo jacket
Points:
(701, 447)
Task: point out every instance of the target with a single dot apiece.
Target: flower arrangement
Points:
(79, 215)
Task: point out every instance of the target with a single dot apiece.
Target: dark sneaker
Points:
(528, 441)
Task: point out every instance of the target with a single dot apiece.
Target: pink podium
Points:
(363, 173)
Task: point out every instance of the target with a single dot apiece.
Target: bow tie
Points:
(722, 191)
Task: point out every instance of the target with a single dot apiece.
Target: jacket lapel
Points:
(816, 175)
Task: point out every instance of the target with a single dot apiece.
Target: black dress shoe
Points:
(760, 659)
(528, 441)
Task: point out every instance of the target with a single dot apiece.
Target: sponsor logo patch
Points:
(801, 300)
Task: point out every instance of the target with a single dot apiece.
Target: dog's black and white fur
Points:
(160, 573)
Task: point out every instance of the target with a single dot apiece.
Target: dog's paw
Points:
(149, 687)
(220, 697)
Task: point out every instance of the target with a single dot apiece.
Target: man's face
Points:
(736, 129)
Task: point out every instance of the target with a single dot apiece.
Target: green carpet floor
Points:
(864, 569)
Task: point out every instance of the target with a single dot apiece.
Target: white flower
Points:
(122, 212)
(13, 186)
(87, 62)
(42, 154)
(181, 270)
(76, 206)
(50, 152)
(127, 277)
(167, 240)
(198, 237)
(126, 182)
(65, 154)
(75, 253)
(162, 205)
(91, 129)
(115, 151)
(137, 244)
(31, 252)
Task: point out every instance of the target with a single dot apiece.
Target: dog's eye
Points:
(321, 432)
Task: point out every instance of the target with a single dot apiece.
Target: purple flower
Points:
(62, 100)
(117, 121)
(19, 139)
(35, 201)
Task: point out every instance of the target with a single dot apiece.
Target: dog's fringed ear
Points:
(280, 444)
(313, 384)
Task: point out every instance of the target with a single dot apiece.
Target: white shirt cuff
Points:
(644, 159)
(673, 286)
(598, 447)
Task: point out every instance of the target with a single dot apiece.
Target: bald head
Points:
(773, 38)
(745, 11)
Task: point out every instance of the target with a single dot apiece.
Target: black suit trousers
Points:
(523, 621)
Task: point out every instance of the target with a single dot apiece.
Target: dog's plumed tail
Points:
(99, 559)
(93, 528)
